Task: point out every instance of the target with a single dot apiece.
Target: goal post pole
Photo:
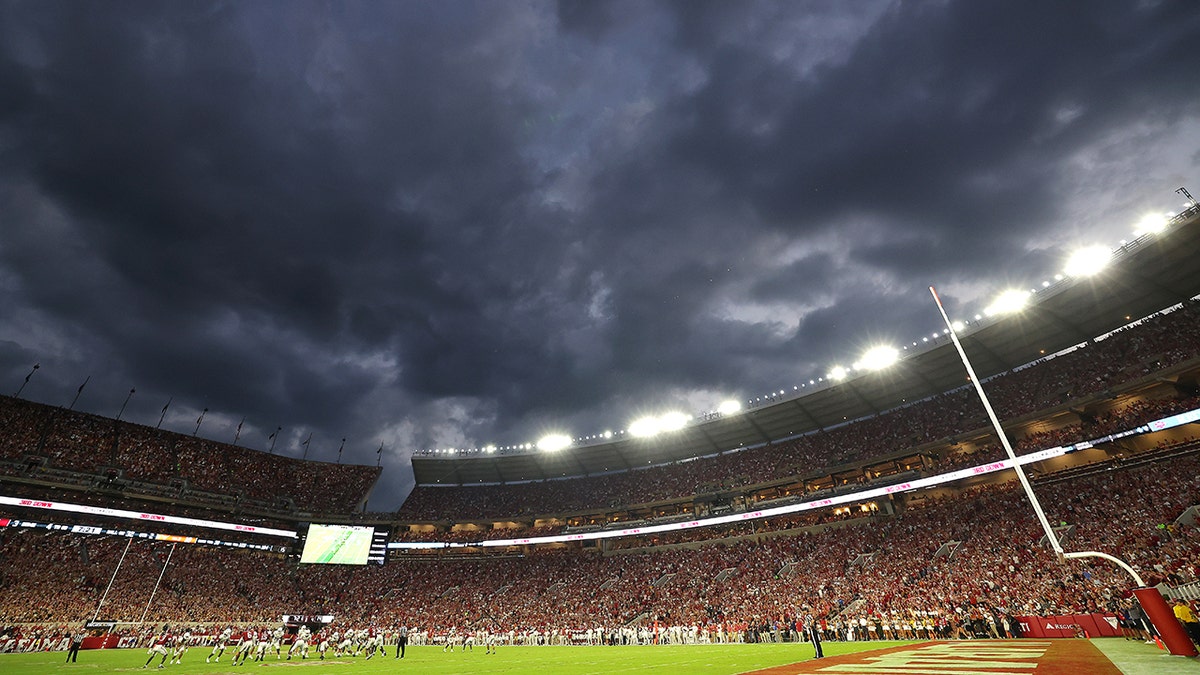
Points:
(1033, 500)
(110, 581)
(157, 583)
(1148, 597)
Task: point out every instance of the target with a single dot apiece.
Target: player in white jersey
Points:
(360, 640)
(373, 644)
(219, 646)
(300, 646)
(181, 647)
(277, 641)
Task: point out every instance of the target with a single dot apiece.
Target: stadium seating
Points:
(1133, 353)
(45, 439)
(950, 561)
(59, 577)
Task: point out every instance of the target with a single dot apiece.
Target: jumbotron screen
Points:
(337, 544)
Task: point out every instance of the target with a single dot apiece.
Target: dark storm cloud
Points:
(450, 224)
(942, 113)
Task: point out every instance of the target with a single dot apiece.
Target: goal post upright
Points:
(110, 581)
(1176, 640)
(1033, 500)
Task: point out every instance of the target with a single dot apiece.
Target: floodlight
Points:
(837, 373)
(958, 326)
(1008, 302)
(878, 358)
(553, 442)
(1088, 261)
(645, 427)
(672, 421)
(729, 407)
(1151, 223)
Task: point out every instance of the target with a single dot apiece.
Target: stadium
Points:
(868, 511)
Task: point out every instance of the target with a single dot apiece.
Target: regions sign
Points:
(1070, 625)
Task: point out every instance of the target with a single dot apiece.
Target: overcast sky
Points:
(451, 224)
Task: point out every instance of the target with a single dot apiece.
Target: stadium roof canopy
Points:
(1146, 275)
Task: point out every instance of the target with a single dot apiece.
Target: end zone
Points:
(991, 657)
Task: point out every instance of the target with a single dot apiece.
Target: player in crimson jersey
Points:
(159, 648)
(245, 647)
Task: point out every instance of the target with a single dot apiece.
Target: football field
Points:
(692, 659)
(981, 657)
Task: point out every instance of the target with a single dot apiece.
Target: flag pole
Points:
(22, 387)
(199, 420)
(164, 412)
(122, 410)
(78, 392)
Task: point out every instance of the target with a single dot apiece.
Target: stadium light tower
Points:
(644, 427)
(673, 421)
(878, 358)
(553, 442)
(1088, 261)
(1151, 223)
(729, 407)
(1006, 303)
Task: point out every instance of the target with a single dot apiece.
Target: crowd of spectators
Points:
(941, 559)
(737, 470)
(37, 435)
(884, 569)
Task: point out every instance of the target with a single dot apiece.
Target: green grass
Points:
(1138, 658)
(691, 659)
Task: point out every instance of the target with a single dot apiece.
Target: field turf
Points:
(691, 659)
(1132, 658)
